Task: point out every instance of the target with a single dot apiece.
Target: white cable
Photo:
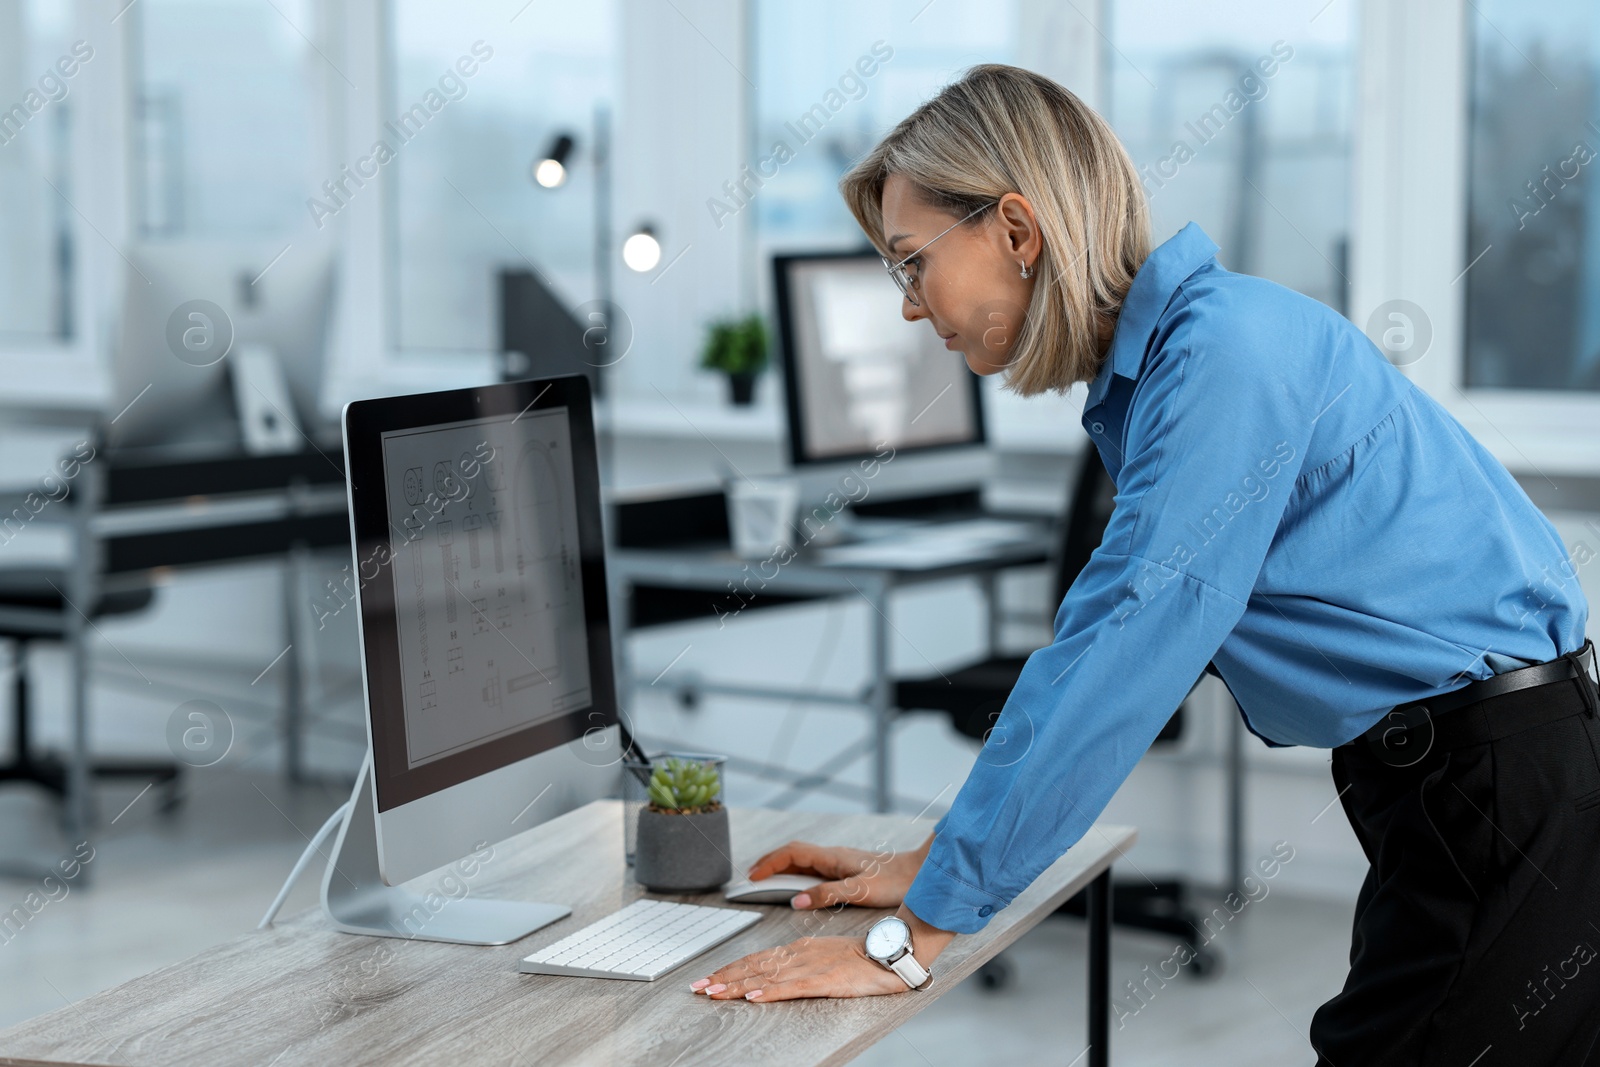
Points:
(300, 864)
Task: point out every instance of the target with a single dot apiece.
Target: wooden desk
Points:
(302, 993)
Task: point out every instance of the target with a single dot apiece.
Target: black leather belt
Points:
(1410, 731)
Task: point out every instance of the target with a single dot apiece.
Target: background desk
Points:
(302, 993)
(134, 512)
(715, 571)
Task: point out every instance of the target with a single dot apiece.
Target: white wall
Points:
(682, 115)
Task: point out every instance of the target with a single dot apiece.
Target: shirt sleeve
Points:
(1216, 436)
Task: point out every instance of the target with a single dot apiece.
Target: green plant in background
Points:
(736, 346)
(683, 786)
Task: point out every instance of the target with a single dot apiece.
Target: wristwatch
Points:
(889, 943)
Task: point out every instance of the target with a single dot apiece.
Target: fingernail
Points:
(719, 987)
(701, 983)
(753, 994)
(801, 900)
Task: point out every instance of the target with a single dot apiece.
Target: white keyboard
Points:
(933, 545)
(641, 942)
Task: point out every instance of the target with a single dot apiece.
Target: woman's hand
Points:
(854, 875)
(806, 967)
(833, 967)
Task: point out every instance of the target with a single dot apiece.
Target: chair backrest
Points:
(1088, 513)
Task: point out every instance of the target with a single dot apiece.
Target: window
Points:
(1532, 318)
(814, 101)
(1238, 116)
(463, 203)
(38, 68)
(225, 118)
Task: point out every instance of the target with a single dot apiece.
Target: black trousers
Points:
(1477, 930)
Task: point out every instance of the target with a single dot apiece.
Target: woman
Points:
(1290, 511)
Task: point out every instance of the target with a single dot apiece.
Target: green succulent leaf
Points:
(679, 784)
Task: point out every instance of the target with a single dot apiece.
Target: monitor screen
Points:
(485, 636)
(857, 374)
(491, 626)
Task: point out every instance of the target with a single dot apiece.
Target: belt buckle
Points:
(1404, 736)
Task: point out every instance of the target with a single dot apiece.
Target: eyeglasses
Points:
(898, 272)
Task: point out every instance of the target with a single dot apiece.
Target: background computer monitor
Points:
(282, 305)
(486, 644)
(540, 337)
(856, 374)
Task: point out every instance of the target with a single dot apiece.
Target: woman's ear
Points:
(1019, 228)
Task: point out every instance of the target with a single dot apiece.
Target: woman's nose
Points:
(909, 311)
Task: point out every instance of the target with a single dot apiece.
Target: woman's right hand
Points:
(852, 875)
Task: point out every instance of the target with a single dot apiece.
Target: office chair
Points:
(973, 697)
(55, 603)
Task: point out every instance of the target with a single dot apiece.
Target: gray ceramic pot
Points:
(682, 853)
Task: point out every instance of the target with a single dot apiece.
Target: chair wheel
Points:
(172, 798)
(1204, 964)
(994, 975)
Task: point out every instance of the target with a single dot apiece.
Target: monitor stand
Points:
(357, 900)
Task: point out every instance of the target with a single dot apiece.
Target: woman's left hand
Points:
(807, 967)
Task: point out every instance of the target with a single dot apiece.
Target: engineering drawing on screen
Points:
(488, 594)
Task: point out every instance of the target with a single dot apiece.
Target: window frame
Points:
(98, 170)
(372, 353)
(365, 358)
(1409, 231)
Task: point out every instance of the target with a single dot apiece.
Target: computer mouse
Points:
(778, 889)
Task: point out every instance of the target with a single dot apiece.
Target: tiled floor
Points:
(162, 887)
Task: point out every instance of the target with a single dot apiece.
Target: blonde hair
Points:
(1002, 129)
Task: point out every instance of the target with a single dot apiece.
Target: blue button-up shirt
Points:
(1289, 507)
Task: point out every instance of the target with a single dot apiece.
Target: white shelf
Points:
(644, 417)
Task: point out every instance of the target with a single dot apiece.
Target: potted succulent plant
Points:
(682, 844)
(737, 348)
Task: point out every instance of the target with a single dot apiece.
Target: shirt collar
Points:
(1158, 278)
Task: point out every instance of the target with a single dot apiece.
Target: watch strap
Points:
(910, 971)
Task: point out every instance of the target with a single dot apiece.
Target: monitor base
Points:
(355, 897)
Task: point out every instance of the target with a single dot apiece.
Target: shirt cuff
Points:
(945, 902)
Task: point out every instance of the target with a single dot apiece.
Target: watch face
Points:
(887, 937)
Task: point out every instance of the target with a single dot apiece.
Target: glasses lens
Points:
(901, 279)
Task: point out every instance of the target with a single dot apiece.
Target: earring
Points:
(1026, 273)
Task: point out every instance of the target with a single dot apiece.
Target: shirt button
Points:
(986, 911)
(1097, 427)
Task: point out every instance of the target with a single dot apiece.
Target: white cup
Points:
(761, 515)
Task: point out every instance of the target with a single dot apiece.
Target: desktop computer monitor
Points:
(485, 643)
(274, 300)
(540, 337)
(861, 382)
(856, 374)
